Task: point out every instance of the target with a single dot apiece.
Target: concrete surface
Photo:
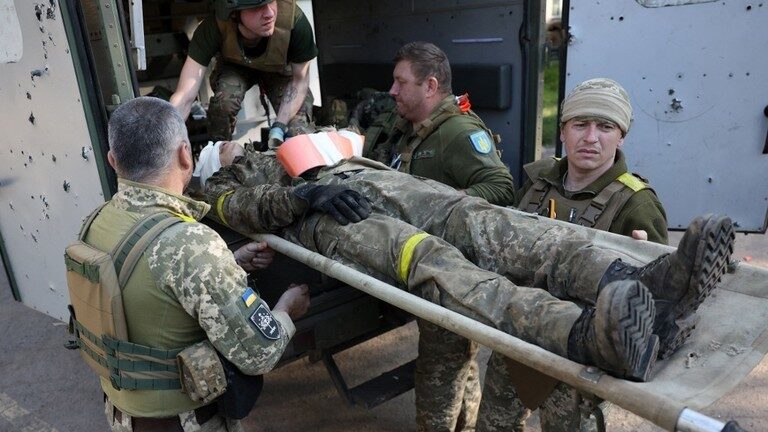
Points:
(44, 387)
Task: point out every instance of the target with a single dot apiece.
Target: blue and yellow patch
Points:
(481, 142)
(249, 297)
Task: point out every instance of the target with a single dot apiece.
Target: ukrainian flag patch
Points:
(481, 142)
(249, 297)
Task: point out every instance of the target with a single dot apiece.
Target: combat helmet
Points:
(224, 8)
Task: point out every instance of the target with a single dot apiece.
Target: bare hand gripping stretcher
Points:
(730, 339)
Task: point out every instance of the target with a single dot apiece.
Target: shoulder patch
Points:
(481, 141)
(631, 182)
(265, 322)
(249, 297)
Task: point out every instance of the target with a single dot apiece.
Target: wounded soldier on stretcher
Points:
(546, 284)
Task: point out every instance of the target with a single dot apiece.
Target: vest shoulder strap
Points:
(89, 220)
(429, 126)
(608, 203)
(128, 252)
(533, 199)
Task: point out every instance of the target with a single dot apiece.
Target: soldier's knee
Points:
(225, 102)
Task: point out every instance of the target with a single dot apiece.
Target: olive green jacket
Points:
(451, 147)
(642, 211)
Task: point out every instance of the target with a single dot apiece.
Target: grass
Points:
(549, 103)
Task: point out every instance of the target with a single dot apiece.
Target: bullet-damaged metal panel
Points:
(698, 81)
(667, 3)
(47, 185)
(11, 45)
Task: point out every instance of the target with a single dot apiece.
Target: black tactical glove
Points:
(344, 204)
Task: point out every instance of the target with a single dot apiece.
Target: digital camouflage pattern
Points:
(567, 410)
(447, 380)
(505, 242)
(230, 82)
(498, 393)
(253, 197)
(121, 422)
(195, 295)
(202, 375)
(192, 262)
(440, 148)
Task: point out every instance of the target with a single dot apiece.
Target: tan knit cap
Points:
(598, 97)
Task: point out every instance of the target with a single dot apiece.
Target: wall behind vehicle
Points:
(49, 175)
(358, 39)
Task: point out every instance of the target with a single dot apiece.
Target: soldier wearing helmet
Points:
(268, 43)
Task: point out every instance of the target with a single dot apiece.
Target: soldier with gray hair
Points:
(188, 295)
(590, 186)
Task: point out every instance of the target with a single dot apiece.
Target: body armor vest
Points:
(599, 212)
(275, 57)
(96, 282)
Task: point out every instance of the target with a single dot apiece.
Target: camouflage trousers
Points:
(122, 422)
(564, 410)
(515, 245)
(447, 381)
(431, 268)
(230, 82)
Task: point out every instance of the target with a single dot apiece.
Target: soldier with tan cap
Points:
(592, 187)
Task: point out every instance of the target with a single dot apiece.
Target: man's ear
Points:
(184, 156)
(621, 143)
(111, 159)
(432, 86)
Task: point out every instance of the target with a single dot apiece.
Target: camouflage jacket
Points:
(196, 273)
(252, 195)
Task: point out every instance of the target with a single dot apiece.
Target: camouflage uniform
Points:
(503, 241)
(185, 288)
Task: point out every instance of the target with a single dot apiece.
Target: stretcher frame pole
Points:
(662, 411)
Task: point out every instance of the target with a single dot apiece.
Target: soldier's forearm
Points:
(260, 209)
(293, 98)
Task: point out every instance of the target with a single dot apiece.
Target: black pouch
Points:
(242, 391)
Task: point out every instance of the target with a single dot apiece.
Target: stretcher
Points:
(730, 339)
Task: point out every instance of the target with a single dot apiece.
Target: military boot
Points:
(681, 280)
(615, 335)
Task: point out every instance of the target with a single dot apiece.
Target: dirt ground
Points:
(44, 387)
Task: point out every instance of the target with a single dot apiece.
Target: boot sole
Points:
(624, 325)
(712, 257)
